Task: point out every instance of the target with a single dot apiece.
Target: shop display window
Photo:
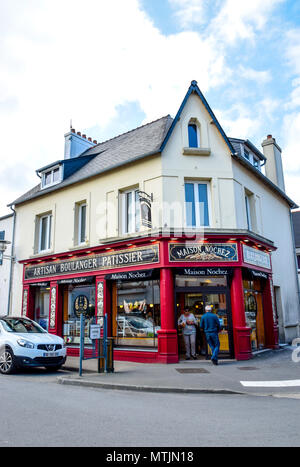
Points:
(136, 313)
(254, 312)
(78, 300)
(41, 311)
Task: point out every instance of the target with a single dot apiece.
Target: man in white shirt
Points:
(188, 323)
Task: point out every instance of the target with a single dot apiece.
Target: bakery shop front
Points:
(143, 288)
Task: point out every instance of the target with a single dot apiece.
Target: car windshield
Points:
(21, 325)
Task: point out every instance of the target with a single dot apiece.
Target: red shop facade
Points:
(143, 288)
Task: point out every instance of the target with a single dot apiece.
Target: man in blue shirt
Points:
(211, 326)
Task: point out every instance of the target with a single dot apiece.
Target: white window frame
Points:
(196, 196)
(132, 228)
(48, 232)
(80, 206)
(52, 170)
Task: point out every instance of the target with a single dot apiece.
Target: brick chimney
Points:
(76, 144)
(274, 170)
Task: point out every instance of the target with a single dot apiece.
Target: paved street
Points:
(36, 411)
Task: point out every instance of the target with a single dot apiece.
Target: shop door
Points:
(196, 302)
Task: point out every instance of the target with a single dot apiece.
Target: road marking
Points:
(271, 384)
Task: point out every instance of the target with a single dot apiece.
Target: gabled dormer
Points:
(76, 145)
(249, 152)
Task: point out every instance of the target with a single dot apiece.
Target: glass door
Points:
(196, 301)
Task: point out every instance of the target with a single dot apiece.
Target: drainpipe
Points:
(11, 262)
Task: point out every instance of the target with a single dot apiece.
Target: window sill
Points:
(196, 151)
(41, 254)
(80, 246)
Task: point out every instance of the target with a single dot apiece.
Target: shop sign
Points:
(77, 281)
(81, 305)
(203, 252)
(204, 271)
(258, 274)
(112, 260)
(256, 257)
(95, 331)
(131, 275)
(145, 203)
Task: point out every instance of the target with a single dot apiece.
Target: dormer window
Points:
(254, 160)
(193, 135)
(51, 176)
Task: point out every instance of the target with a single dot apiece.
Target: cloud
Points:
(238, 20)
(190, 12)
(63, 60)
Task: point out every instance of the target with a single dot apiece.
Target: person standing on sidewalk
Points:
(211, 326)
(188, 323)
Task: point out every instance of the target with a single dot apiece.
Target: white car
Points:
(24, 343)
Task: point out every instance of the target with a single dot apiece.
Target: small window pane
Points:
(55, 175)
(44, 228)
(128, 214)
(203, 204)
(82, 223)
(247, 202)
(190, 205)
(193, 139)
(48, 177)
(137, 211)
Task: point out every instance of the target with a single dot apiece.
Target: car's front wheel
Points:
(7, 362)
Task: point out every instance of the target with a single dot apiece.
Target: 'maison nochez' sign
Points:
(200, 252)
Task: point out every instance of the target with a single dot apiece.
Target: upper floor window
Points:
(51, 176)
(197, 204)
(130, 211)
(81, 223)
(298, 260)
(254, 160)
(248, 211)
(45, 225)
(193, 135)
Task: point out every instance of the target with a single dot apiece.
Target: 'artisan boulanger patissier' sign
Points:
(112, 260)
(199, 252)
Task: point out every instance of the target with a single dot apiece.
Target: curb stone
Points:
(158, 389)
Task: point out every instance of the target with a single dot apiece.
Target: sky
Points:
(111, 66)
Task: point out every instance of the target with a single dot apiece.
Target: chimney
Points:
(274, 170)
(76, 144)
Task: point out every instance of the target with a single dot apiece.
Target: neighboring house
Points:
(296, 224)
(6, 230)
(171, 214)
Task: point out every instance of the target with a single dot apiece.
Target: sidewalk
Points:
(196, 377)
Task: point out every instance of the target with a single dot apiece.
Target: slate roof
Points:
(296, 223)
(123, 149)
(236, 143)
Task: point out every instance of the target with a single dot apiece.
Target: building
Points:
(6, 233)
(171, 214)
(296, 224)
